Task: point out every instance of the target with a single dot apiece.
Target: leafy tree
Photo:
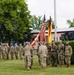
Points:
(36, 22)
(71, 23)
(14, 19)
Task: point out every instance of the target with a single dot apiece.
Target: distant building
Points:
(62, 33)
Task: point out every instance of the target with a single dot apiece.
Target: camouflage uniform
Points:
(48, 55)
(53, 54)
(4, 52)
(16, 49)
(43, 54)
(60, 51)
(20, 51)
(27, 52)
(31, 56)
(8, 50)
(68, 53)
(38, 54)
(12, 52)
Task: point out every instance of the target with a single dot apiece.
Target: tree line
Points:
(16, 21)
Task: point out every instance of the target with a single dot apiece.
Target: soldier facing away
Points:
(43, 54)
(12, 52)
(68, 53)
(20, 51)
(53, 54)
(16, 49)
(4, 52)
(60, 51)
(48, 55)
(28, 57)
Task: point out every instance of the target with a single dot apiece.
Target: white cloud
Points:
(65, 10)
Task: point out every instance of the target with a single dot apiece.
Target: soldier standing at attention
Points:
(53, 54)
(60, 51)
(27, 52)
(16, 49)
(68, 53)
(4, 52)
(20, 51)
(43, 54)
(12, 52)
(8, 50)
(31, 56)
(48, 55)
(38, 54)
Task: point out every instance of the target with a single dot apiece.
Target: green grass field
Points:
(17, 67)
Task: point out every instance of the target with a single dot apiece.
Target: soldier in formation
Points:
(43, 54)
(12, 52)
(48, 55)
(60, 51)
(20, 51)
(53, 54)
(28, 57)
(68, 53)
(16, 49)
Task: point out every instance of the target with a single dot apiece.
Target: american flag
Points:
(42, 32)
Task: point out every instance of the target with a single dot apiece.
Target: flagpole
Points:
(55, 35)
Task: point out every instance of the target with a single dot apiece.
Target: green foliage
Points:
(72, 44)
(71, 23)
(36, 22)
(14, 19)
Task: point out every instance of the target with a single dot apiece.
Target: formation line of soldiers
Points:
(48, 53)
(11, 52)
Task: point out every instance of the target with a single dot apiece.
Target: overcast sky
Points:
(64, 8)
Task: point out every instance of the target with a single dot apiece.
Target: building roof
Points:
(57, 30)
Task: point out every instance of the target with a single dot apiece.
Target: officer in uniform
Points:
(48, 55)
(20, 51)
(43, 54)
(28, 58)
(16, 49)
(68, 53)
(8, 50)
(53, 54)
(38, 54)
(4, 52)
(60, 51)
(12, 52)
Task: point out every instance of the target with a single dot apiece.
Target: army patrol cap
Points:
(60, 41)
(67, 42)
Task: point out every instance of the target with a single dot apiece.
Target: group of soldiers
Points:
(47, 53)
(11, 52)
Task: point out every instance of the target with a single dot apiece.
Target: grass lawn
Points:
(17, 67)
